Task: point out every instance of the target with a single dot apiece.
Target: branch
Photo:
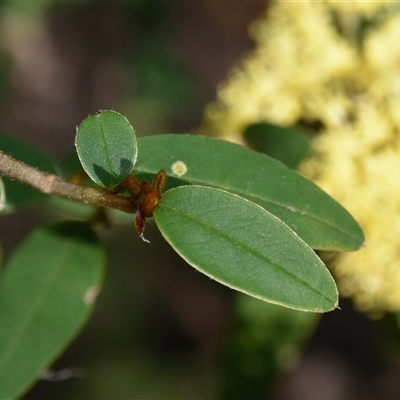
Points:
(52, 184)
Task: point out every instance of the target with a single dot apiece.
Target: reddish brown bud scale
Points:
(150, 202)
(146, 197)
(140, 222)
(133, 186)
(160, 181)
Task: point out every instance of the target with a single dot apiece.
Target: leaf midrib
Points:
(105, 145)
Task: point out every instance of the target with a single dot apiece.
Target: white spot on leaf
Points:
(179, 168)
(91, 295)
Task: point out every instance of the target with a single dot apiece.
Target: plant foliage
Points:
(239, 216)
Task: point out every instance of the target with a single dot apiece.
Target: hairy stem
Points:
(52, 184)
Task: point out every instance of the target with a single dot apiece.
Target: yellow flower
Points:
(299, 61)
(316, 61)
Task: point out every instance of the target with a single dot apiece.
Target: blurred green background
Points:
(160, 329)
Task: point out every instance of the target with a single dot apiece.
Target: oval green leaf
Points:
(47, 292)
(318, 219)
(19, 195)
(240, 245)
(107, 148)
(288, 145)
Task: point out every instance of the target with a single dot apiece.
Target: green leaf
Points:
(19, 195)
(240, 245)
(288, 145)
(47, 292)
(107, 148)
(318, 219)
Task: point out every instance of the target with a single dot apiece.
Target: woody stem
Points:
(52, 184)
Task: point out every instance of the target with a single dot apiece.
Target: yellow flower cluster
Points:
(317, 61)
